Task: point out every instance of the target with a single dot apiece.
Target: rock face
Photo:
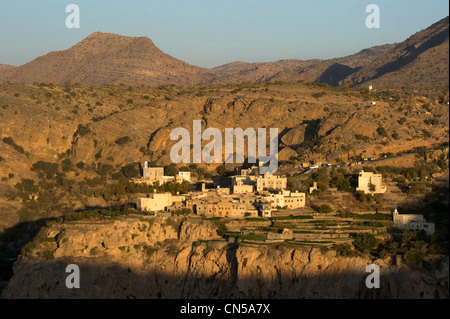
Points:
(171, 258)
(295, 135)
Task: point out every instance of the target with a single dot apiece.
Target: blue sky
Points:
(210, 33)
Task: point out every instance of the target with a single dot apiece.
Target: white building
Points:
(158, 202)
(294, 200)
(183, 176)
(370, 183)
(413, 222)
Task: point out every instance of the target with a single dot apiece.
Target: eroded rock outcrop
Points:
(184, 258)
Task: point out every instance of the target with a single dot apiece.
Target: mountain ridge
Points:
(106, 58)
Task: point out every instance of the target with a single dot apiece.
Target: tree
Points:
(221, 170)
(46, 169)
(365, 242)
(342, 183)
(26, 188)
(222, 230)
(325, 209)
(170, 170)
(130, 171)
(67, 165)
(82, 130)
(413, 258)
(382, 131)
(10, 141)
(422, 152)
(80, 165)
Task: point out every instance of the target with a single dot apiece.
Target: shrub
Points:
(360, 137)
(325, 209)
(344, 250)
(324, 249)
(46, 169)
(98, 155)
(10, 141)
(80, 165)
(413, 258)
(170, 170)
(82, 130)
(382, 131)
(222, 229)
(183, 212)
(318, 95)
(365, 242)
(67, 165)
(122, 140)
(130, 171)
(150, 250)
(104, 170)
(402, 121)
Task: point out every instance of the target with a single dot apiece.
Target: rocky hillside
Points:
(43, 122)
(169, 258)
(421, 61)
(92, 132)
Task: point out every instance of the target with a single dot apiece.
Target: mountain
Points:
(421, 61)
(297, 70)
(260, 72)
(5, 69)
(104, 58)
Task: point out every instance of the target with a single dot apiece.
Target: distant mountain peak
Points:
(108, 58)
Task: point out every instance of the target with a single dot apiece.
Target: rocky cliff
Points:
(184, 258)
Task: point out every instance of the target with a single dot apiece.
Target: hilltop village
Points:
(260, 208)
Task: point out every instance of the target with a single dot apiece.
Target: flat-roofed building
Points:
(276, 200)
(152, 173)
(370, 183)
(243, 189)
(413, 222)
(269, 181)
(295, 200)
(243, 184)
(265, 209)
(220, 207)
(183, 176)
(158, 202)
